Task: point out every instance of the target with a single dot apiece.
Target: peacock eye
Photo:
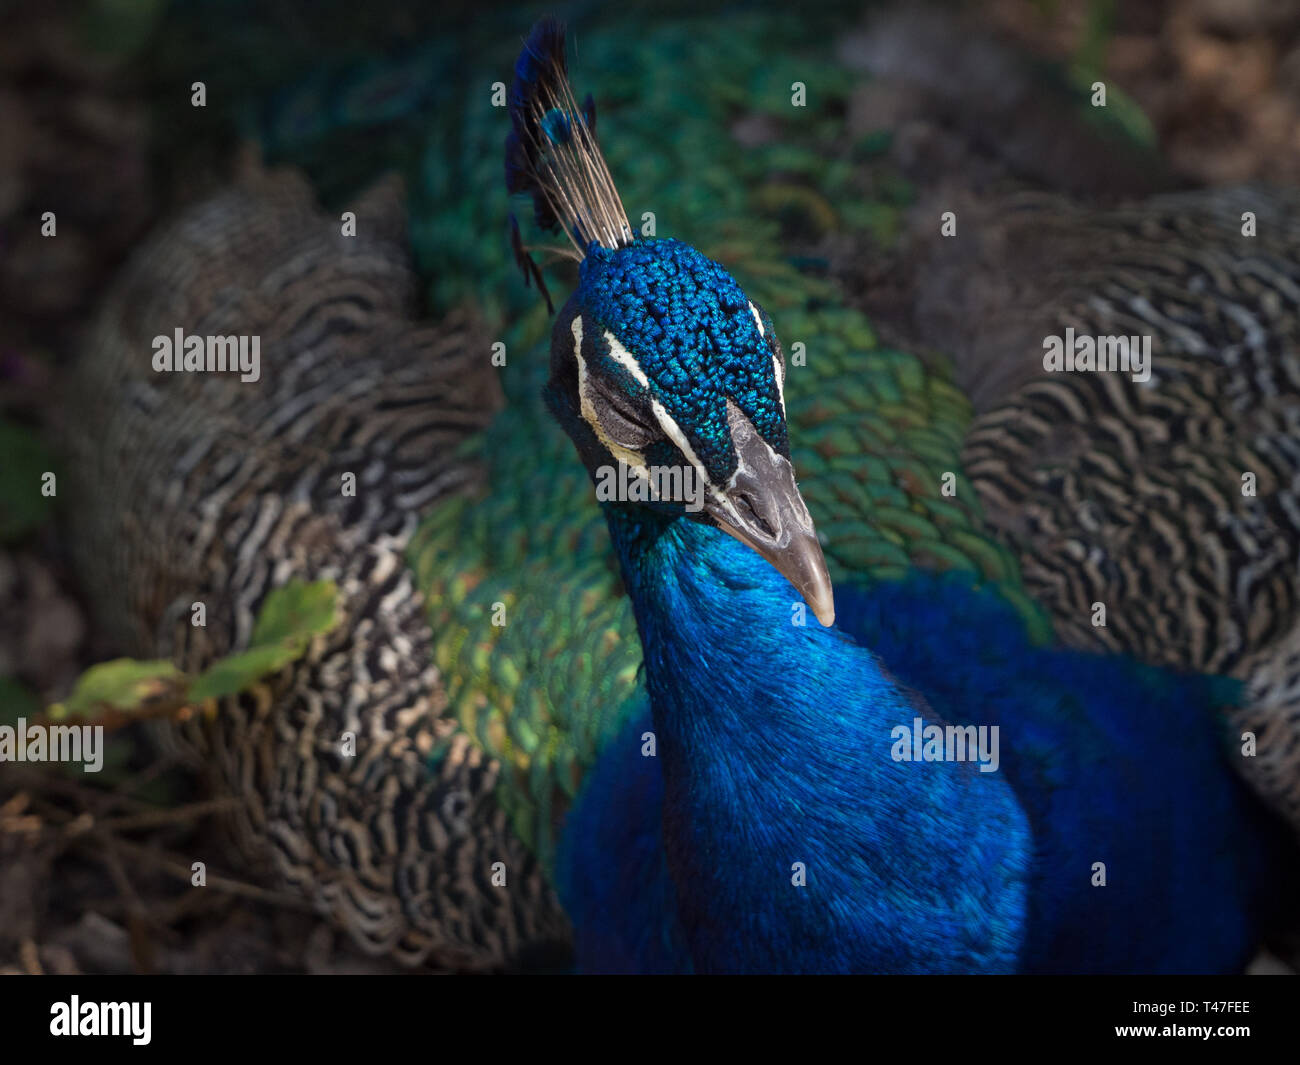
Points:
(626, 421)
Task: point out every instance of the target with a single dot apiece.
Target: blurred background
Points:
(97, 125)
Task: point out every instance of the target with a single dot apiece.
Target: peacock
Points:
(614, 727)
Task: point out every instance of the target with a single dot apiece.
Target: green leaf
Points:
(298, 611)
(289, 618)
(1122, 116)
(235, 673)
(122, 684)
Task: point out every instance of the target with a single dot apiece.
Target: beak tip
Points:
(816, 584)
(823, 606)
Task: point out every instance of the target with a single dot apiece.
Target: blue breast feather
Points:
(774, 748)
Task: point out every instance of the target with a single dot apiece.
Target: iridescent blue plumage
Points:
(758, 816)
(693, 332)
(775, 747)
(556, 126)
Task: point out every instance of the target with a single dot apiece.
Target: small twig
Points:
(112, 861)
(168, 816)
(172, 704)
(192, 902)
(100, 800)
(180, 868)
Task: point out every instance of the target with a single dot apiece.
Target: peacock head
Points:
(659, 362)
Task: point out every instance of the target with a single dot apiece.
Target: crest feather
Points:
(551, 152)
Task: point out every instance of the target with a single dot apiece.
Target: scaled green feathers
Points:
(875, 430)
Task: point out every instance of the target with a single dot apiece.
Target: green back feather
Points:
(874, 429)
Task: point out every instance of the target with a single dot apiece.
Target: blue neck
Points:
(774, 740)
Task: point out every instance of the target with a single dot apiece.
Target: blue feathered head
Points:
(666, 343)
(659, 361)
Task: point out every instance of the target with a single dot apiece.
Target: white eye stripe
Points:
(624, 358)
(671, 429)
(777, 368)
(674, 433)
(634, 460)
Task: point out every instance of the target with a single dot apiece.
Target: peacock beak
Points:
(762, 508)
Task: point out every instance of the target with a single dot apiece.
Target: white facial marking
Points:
(776, 363)
(634, 460)
(674, 433)
(624, 358)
